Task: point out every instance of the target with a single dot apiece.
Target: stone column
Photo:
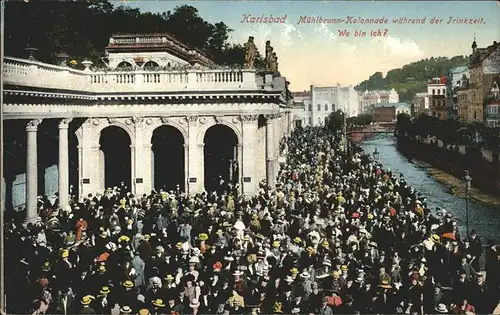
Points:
(186, 169)
(140, 157)
(250, 183)
(32, 171)
(270, 153)
(63, 167)
(194, 157)
(240, 163)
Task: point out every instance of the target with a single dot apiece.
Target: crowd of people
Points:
(337, 234)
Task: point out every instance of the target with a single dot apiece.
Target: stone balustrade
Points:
(35, 74)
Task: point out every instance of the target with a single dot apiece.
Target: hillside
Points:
(412, 78)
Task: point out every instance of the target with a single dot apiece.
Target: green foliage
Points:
(450, 132)
(412, 78)
(360, 120)
(336, 120)
(82, 29)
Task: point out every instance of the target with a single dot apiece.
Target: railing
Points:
(30, 73)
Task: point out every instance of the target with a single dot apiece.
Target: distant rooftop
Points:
(299, 94)
(459, 69)
(388, 105)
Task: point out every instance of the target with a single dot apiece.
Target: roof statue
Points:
(250, 52)
(269, 55)
(274, 63)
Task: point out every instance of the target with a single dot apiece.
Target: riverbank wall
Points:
(485, 172)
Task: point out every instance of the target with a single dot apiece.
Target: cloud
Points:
(400, 47)
(287, 32)
(282, 36)
(346, 48)
(324, 33)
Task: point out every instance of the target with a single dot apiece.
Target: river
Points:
(485, 219)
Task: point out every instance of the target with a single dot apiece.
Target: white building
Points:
(457, 75)
(368, 99)
(302, 108)
(143, 128)
(319, 102)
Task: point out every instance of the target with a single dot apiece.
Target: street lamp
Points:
(376, 154)
(468, 181)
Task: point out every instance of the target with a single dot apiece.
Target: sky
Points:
(316, 54)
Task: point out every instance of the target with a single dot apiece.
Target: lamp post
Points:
(376, 154)
(468, 181)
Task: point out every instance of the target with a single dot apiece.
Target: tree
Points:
(336, 120)
(82, 28)
(412, 78)
(403, 123)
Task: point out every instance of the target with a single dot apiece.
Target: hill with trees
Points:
(412, 78)
(82, 29)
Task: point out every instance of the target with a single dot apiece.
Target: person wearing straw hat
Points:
(86, 302)
(194, 304)
(158, 306)
(143, 311)
(125, 310)
(103, 301)
(127, 296)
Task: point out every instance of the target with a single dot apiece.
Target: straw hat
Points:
(276, 244)
(158, 303)
(294, 270)
(194, 260)
(65, 253)
(102, 268)
(435, 238)
(441, 308)
(385, 285)
(297, 240)
(203, 236)
(128, 284)
(125, 310)
(178, 245)
(87, 299)
(305, 275)
(124, 238)
(169, 277)
(105, 290)
(194, 303)
(277, 308)
(344, 268)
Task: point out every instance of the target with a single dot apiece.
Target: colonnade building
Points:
(161, 116)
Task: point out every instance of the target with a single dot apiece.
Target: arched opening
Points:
(151, 65)
(168, 158)
(115, 144)
(124, 65)
(221, 158)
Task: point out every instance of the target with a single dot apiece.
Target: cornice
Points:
(277, 97)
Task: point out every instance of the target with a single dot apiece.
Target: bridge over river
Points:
(485, 219)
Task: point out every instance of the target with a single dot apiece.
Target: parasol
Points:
(450, 236)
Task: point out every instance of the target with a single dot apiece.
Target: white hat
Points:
(305, 274)
(194, 303)
(194, 260)
(441, 308)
